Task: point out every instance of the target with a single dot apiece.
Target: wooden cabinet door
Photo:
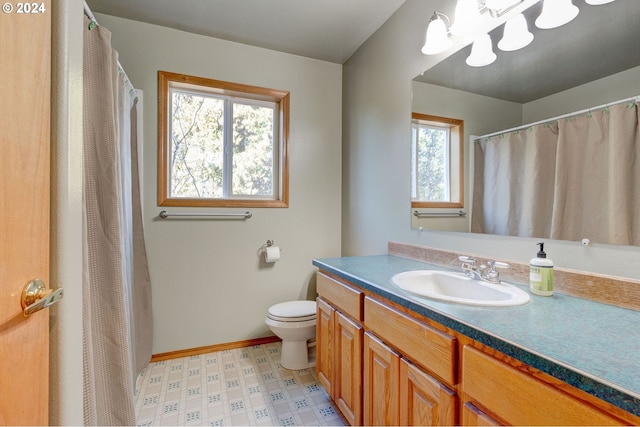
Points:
(324, 341)
(424, 401)
(347, 382)
(472, 416)
(381, 383)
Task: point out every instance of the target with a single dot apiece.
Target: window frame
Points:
(455, 152)
(166, 82)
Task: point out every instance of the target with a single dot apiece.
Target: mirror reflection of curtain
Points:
(597, 191)
(514, 180)
(574, 179)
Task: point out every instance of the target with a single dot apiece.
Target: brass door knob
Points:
(35, 297)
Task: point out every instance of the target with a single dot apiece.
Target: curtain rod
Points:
(563, 116)
(128, 84)
(89, 13)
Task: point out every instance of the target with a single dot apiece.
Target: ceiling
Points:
(329, 30)
(600, 41)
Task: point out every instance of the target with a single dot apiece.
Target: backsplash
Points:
(621, 292)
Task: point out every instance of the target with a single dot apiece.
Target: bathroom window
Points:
(221, 144)
(436, 162)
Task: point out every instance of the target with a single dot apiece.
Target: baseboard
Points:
(211, 348)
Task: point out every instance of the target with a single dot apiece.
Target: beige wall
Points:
(65, 394)
(609, 89)
(376, 190)
(208, 284)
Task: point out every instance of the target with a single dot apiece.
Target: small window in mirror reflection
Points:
(436, 162)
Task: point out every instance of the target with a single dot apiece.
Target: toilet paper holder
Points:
(270, 252)
(270, 243)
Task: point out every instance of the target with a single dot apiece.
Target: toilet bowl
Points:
(295, 323)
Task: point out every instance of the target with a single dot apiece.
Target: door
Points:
(347, 381)
(424, 401)
(381, 383)
(25, 81)
(324, 341)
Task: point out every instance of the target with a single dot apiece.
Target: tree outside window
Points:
(436, 166)
(221, 144)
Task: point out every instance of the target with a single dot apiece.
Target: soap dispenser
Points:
(541, 273)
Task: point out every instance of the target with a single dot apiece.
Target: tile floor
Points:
(244, 386)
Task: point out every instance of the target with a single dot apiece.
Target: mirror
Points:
(590, 61)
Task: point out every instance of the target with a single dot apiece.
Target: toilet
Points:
(295, 323)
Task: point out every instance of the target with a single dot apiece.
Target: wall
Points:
(376, 192)
(609, 89)
(208, 283)
(65, 347)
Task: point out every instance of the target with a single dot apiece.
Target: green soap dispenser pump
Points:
(541, 274)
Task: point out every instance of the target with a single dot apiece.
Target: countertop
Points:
(594, 347)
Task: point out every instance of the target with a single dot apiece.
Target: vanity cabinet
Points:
(419, 393)
(396, 390)
(386, 365)
(339, 335)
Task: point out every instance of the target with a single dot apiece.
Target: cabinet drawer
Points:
(520, 399)
(434, 350)
(342, 296)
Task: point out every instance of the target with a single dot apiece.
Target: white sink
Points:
(458, 288)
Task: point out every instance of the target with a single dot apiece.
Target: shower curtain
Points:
(117, 322)
(568, 180)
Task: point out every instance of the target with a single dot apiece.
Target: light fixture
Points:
(516, 34)
(436, 38)
(556, 13)
(598, 2)
(481, 52)
(467, 18)
(498, 8)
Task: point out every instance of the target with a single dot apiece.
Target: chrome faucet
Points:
(488, 274)
(469, 267)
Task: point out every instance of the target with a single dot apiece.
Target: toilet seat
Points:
(293, 311)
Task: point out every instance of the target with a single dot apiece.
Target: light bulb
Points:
(516, 34)
(481, 52)
(436, 38)
(467, 18)
(556, 13)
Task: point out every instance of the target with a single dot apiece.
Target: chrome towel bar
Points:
(438, 214)
(246, 215)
